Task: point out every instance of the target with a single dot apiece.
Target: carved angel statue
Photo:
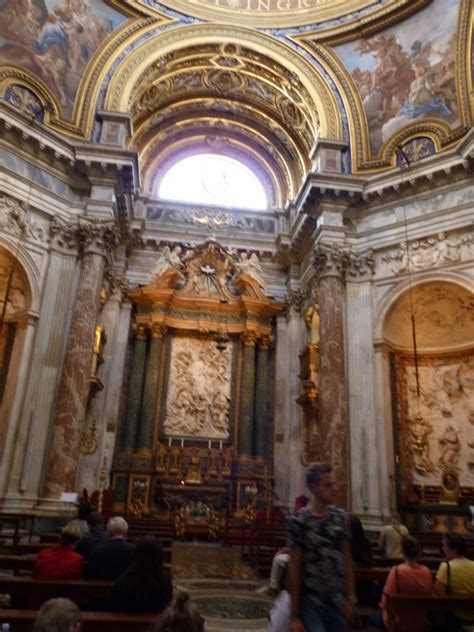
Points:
(251, 266)
(167, 258)
(420, 432)
(312, 322)
(450, 448)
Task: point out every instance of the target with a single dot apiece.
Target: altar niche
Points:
(198, 423)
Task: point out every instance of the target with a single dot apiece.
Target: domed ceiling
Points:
(259, 80)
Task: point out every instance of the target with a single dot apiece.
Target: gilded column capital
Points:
(248, 338)
(265, 342)
(97, 237)
(158, 330)
(140, 331)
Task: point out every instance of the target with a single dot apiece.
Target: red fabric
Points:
(59, 562)
(410, 580)
(300, 502)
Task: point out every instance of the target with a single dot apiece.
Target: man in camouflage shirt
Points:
(320, 567)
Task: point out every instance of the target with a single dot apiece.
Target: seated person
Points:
(96, 536)
(180, 618)
(145, 586)
(84, 508)
(361, 551)
(61, 561)
(456, 575)
(406, 578)
(390, 538)
(112, 558)
(282, 556)
(58, 615)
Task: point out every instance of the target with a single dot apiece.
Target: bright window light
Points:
(213, 179)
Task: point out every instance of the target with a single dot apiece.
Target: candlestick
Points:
(182, 442)
(169, 442)
(220, 446)
(209, 444)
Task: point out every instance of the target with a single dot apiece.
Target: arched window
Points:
(213, 179)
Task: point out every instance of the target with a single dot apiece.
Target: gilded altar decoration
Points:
(89, 439)
(180, 523)
(193, 475)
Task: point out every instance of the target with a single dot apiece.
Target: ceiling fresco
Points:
(269, 77)
(407, 73)
(55, 40)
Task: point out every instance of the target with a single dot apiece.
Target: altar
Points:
(197, 425)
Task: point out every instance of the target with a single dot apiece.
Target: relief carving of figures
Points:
(438, 426)
(198, 400)
(430, 252)
(17, 295)
(14, 219)
(449, 448)
(421, 431)
(167, 258)
(250, 266)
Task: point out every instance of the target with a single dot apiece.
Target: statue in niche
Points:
(313, 322)
(450, 449)
(420, 432)
(250, 266)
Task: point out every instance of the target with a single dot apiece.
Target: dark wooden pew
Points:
(23, 621)
(395, 602)
(39, 590)
(17, 563)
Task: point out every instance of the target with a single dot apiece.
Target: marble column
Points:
(288, 438)
(384, 447)
(102, 407)
(74, 386)
(333, 426)
(261, 429)
(247, 395)
(112, 400)
(150, 394)
(135, 389)
(365, 499)
(58, 293)
(16, 432)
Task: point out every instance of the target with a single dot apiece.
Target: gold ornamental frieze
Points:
(271, 13)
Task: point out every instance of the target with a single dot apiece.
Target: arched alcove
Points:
(433, 398)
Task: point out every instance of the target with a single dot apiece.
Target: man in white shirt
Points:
(390, 538)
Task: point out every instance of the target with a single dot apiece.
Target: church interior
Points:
(237, 237)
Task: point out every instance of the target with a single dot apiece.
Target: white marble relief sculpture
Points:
(250, 266)
(440, 421)
(439, 250)
(166, 258)
(198, 400)
(449, 449)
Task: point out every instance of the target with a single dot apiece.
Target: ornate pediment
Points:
(206, 287)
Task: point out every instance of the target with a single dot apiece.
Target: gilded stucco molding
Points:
(366, 25)
(122, 86)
